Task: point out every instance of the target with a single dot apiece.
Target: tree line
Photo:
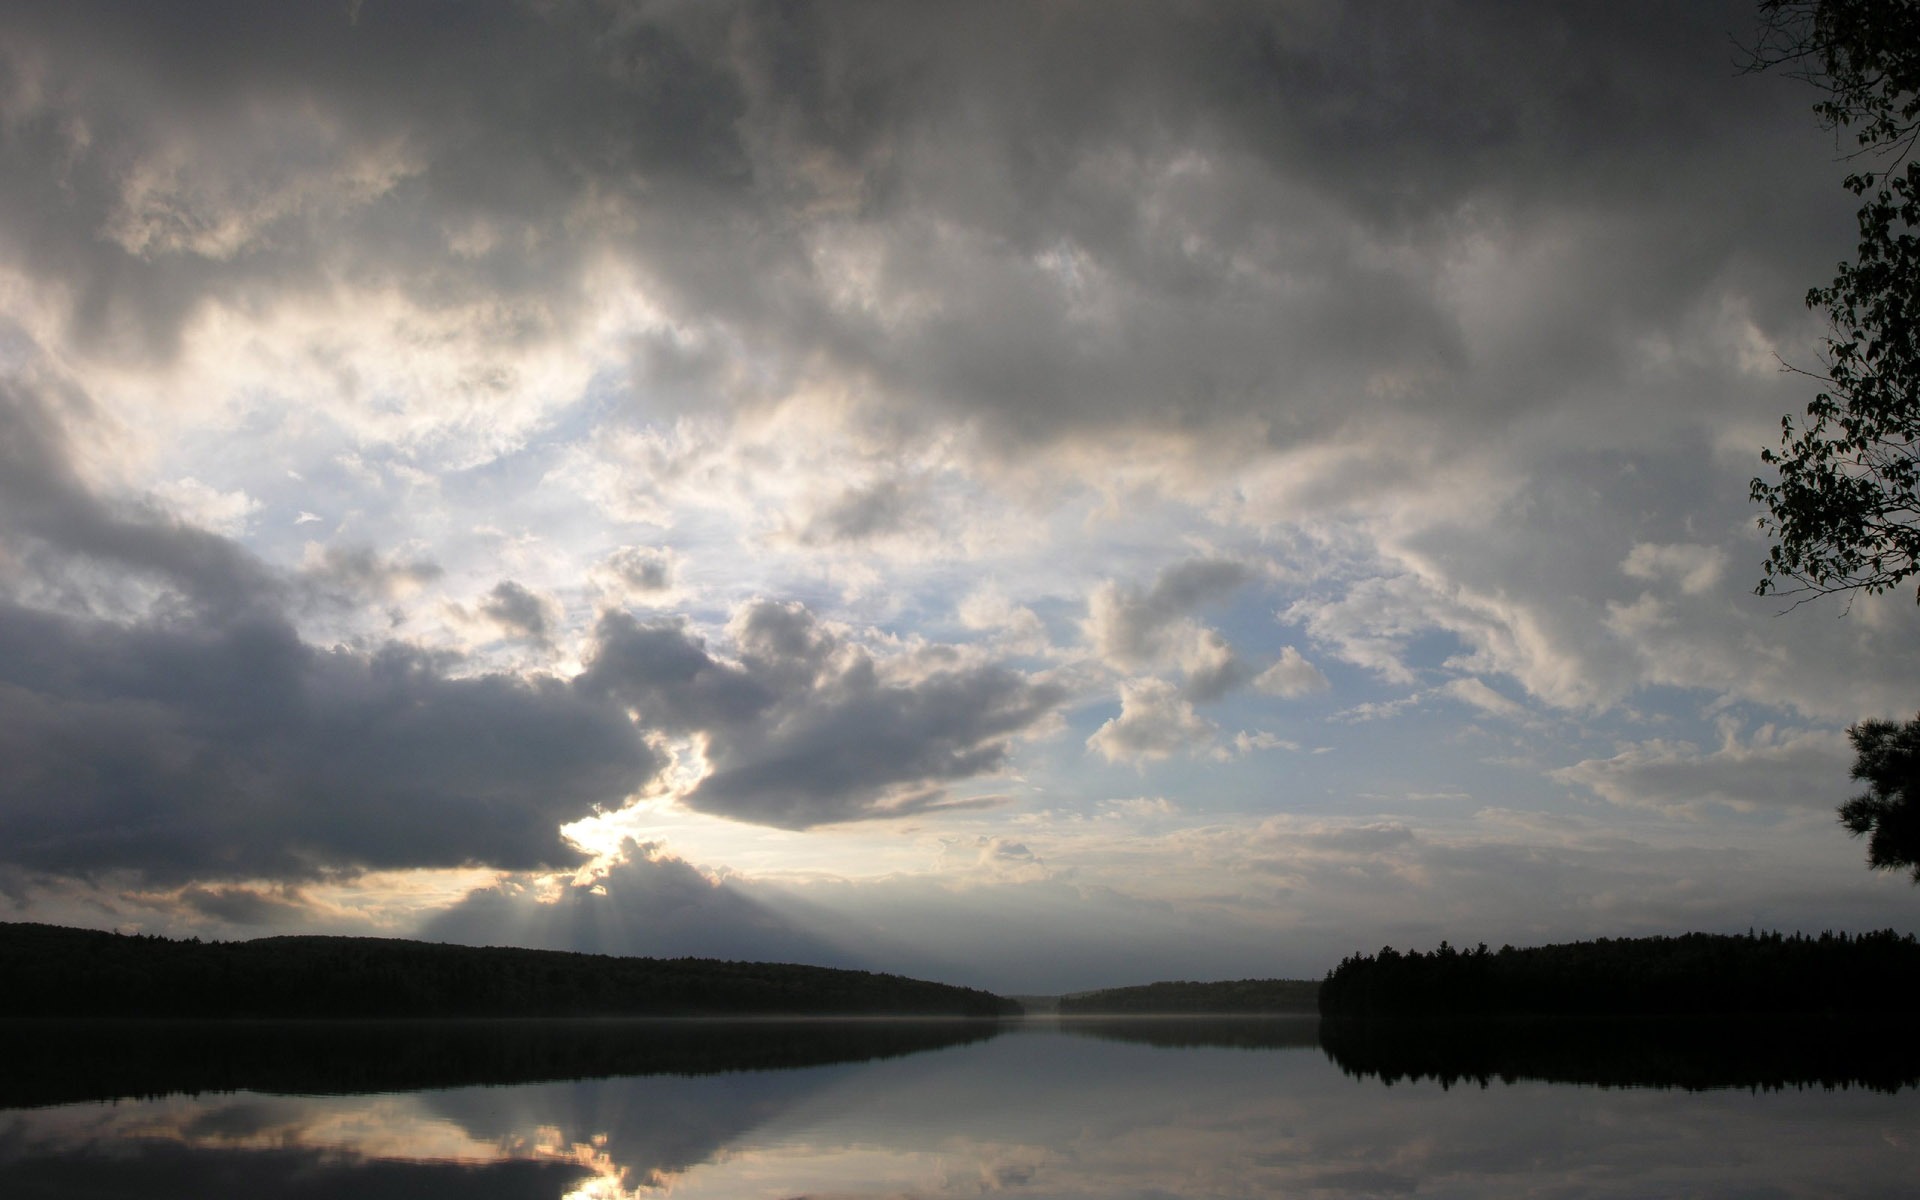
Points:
(1186, 997)
(64, 1062)
(1695, 973)
(51, 971)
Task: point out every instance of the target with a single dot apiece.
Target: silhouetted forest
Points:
(60, 1062)
(50, 971)
(1232, 996)
(1694, 1053)
(1696, 973)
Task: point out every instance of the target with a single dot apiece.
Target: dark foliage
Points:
(1845, 511)
(49, 971)
(156, 1169)
(1888, 812)
(1232, 996)
(60, 1062)
(1694, 974)
(1695, 1053)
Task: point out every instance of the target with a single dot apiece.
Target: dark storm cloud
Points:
(202, 738)
(238, 751)
(1075, 218)
(1169, 215)
(807, 729)
(162, 158)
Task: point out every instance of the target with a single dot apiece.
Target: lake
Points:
(1106, 1108)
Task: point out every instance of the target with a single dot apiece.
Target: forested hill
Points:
(1693, 974)
(64, 1062)
(1183, 997)
(50, 971)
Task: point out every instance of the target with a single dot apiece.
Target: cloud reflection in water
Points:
(1041, 1111)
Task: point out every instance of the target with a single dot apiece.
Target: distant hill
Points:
(62, 1062)
(51, 971)
(1036, 1005)
(1693, 974)
(1184, 997)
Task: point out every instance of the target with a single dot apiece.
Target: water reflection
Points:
(1694, 1053)
(1082, 1108)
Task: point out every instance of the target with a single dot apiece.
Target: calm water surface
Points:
(1108, 1109)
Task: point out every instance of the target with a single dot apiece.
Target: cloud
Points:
(245, 907)
(1027, 931)
(1133, 628)
(645, 902)
(1482, 697)
(239, 752)
(862, 306)
(354, 573)
(1774, 768)
(45, 504)
(999, 859)
(1379, 710)
(519, 612)
(859, 515)
(1018, 628)
(1155, 722)
(1291, 676)
(1371, 623)
(640, 574)
(1693, 568)
(1167, 241)
(1360, 840)
(1143, 808)
(1252, 741)
(806, 728)
(197, 736)
(197, 503)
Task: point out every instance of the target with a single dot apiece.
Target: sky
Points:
(1040, 496)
